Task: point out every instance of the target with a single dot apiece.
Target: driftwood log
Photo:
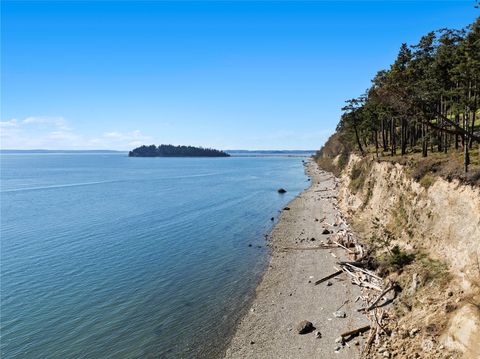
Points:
(375, 302)
(355, 331)
(307, 248)
(330, 276)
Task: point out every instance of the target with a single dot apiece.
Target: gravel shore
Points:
(287, 294)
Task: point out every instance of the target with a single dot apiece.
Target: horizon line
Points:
(107, 150)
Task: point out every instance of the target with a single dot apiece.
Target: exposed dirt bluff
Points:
(438, 312)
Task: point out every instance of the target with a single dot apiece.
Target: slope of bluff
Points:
(437, 313)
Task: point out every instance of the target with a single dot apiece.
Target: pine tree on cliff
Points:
(429, 94)
(352, 116)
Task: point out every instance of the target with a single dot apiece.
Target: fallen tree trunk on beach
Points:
(307, 248)
(354, 332)
(375, 302)
(330, 276)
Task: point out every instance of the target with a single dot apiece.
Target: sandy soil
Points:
(287, 294)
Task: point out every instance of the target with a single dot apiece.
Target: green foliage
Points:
(400, 212)
(387, 258)
(342, 160)
(392, 260)
(426, 166)
(426, 181)
(358, 176)
(368, 195)
(429, 97)
(382, 241)
(473, 178)
(327, 164)
(431, 269)
(450, 168)
(333, 156)
(399, 258)
(175, 151)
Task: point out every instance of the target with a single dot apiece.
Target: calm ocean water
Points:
(105, 256)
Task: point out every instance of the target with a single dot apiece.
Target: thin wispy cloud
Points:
(9, 124)
(56, 121)
(55, 132)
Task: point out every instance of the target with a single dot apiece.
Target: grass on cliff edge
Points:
(448, 166)
(424, 170)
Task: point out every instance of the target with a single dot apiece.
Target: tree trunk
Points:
(440, 125)
(466, 159)
(392, 138)
(384, 140)
(457, 122)
(356, 136)
(473, 126)
(424, 140)
(445, 135)
(402, 136)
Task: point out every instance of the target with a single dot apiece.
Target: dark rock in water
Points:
(281, 190)
(305, 327)
(250, 245)
(272, 219)
(325, 231)
(286, 209)
(309, 179)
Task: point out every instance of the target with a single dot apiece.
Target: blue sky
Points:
(231, 75)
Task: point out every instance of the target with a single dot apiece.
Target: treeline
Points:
(175, 151)
(428, 100)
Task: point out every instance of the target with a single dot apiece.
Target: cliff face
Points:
(444, 218)
(442, 222)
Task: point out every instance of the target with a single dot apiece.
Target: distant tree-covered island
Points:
(175, 151)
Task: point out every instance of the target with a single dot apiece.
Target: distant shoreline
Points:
(272, 155)
(7, 151)
(234, 153)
